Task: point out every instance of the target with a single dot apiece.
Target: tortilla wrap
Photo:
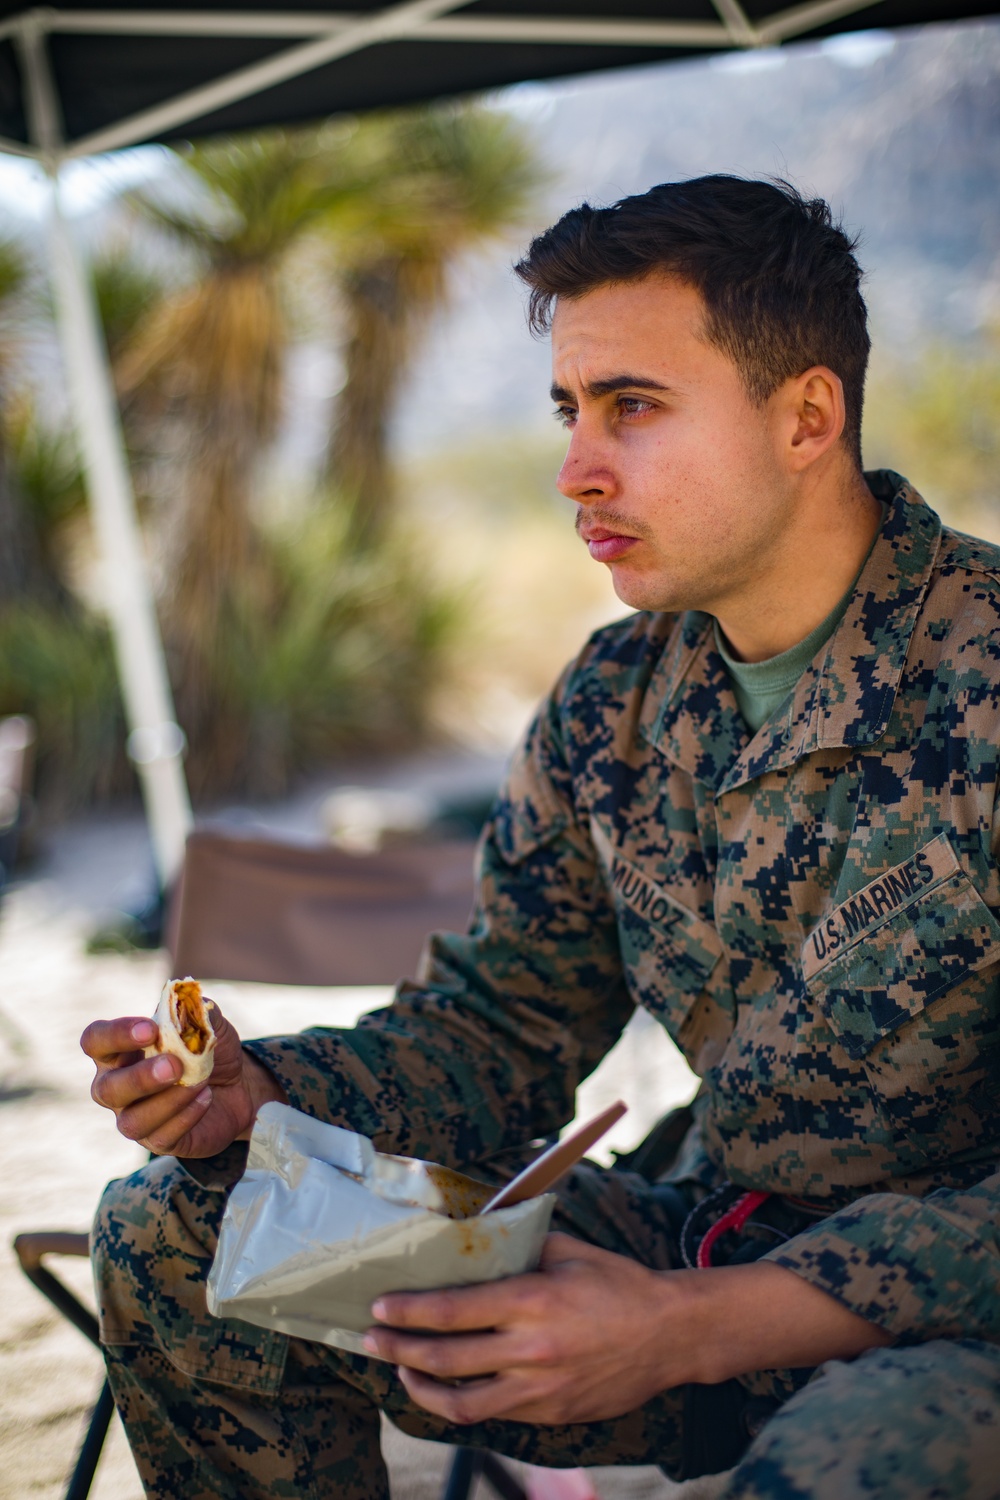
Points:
(185, 1030)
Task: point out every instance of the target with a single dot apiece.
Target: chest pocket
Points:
(888, 970)
(669, 953)
(913, 1001)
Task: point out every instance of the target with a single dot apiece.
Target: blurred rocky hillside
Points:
(900, 131)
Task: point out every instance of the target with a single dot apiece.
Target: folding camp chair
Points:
(31, 1250)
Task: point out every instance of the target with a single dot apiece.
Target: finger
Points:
(118, 1088)
(172, 1136)
(453, 1358)
(140, 1120)
(476, 1401)
(461, 1309)
(557, 1248)
(105, 1041)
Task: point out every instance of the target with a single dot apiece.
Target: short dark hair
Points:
(778, 276)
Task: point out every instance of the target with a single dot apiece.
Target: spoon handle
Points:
(557, 1160)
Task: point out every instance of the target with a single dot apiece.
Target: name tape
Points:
(877, 901)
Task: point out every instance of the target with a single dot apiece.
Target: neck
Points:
(812, 566)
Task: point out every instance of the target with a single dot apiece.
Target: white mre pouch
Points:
(321, 1224)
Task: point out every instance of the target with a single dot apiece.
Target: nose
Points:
(585, 475)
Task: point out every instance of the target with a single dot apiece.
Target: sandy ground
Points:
(58, 1149)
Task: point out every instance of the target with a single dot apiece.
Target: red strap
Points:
(734, 1218)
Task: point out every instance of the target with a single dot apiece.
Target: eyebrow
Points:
(611, 384)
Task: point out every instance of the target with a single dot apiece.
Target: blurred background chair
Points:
(283, 913)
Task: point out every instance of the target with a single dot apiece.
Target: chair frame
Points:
(31, 1251)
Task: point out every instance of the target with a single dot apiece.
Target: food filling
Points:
(187, 1000)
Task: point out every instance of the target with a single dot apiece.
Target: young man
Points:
(763, 808)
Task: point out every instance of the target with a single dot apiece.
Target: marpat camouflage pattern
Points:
(812, 914)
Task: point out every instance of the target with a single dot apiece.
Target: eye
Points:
(634, 406)
(565, 415)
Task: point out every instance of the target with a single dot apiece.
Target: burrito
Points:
(185, 1030)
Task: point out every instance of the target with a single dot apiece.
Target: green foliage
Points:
(47, 471)
(127, 290)
(349, 653)
(431, 182)
(936, 421)
(57, 666)
(13, 275)
(256, 194)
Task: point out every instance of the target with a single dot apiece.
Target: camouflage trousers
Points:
(220, 1410)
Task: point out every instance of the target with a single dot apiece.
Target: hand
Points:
(150, 1105)
(592, 1335)
(584, 1337)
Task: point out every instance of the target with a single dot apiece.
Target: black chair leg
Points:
(465, 1467)
(470, 1464)
(90, 1449)
(500, 1478)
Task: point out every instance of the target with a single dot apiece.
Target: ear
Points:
(815, 414)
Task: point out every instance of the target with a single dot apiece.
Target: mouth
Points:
(606, 546)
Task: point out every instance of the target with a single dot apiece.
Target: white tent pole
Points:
(156, 743)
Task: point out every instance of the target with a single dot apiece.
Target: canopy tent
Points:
(121, 75)
(75, 81)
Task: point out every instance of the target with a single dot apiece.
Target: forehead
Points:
(637, 324)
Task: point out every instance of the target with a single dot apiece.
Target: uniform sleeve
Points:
(921, 1268)
(486, 1048)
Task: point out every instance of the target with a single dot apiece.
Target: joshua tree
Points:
(438, 182)
(391, 201)
(209, 363)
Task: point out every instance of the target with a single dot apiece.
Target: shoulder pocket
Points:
(887, 968)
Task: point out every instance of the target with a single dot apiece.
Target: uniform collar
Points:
(845, 695)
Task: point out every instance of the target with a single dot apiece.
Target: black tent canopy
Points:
(125, 74)
(76, 81)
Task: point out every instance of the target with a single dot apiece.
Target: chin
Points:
(644, 593)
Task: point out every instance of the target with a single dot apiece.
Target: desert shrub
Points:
(935, 420)
(57, 666)
(347, 653)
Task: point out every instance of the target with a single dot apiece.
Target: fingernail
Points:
(163, 1070)
(378, 1310)
(370, 1343)
(205, 1097)
(143, 1032)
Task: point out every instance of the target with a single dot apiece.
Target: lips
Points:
(606, 546)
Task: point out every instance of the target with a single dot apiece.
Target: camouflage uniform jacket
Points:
(811, 914)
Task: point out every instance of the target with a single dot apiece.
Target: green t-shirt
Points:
(762, 686)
